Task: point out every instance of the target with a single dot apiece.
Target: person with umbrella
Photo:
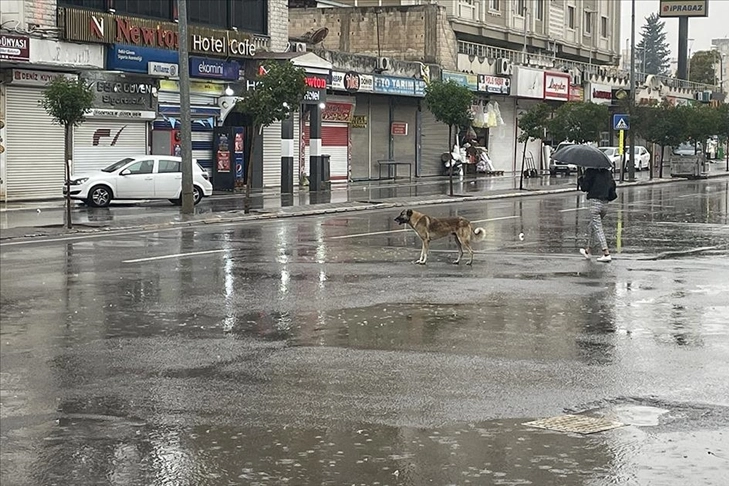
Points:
(600, 187)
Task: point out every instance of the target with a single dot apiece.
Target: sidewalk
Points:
(45, 218)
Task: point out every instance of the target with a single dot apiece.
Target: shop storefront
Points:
(384, 123)
(335, 137)
(118, 124)
(32, 154)
(527, 90)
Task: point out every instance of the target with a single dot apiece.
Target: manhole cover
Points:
(580, 424)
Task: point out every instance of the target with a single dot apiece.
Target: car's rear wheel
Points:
(99, 196)
(197, 195)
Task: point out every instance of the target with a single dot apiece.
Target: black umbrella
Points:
(583, 156)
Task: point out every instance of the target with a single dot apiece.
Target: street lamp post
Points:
(633, 84)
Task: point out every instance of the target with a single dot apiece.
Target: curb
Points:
(335, 210)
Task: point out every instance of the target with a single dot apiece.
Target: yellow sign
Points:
(621, 142)
(359, 121)
(199, 87)
(684, 8)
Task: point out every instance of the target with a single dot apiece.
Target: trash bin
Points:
(325, 167)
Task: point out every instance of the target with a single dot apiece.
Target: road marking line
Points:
(572, 209)
(176, 255)
(358, 235)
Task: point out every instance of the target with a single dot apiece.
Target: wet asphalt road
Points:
(312, 351)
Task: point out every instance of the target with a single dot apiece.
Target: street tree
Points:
(703, 67)
(279, 89)
(579, 122)
(652, 49)
(661, 124)
(533, 126)
(67, 101)
(450, 103)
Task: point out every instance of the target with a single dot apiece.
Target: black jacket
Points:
(598, 184)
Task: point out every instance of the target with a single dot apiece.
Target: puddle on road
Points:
(503, 452)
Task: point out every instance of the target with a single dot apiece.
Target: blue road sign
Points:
(621, 122)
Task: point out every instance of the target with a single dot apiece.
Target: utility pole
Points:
(188, 205)
(633, 84)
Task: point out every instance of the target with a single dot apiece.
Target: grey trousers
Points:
(595, 234)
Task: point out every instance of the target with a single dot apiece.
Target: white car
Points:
(613, 155)
(141, 177)
(642, 158)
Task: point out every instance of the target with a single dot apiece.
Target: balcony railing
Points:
(547, 59)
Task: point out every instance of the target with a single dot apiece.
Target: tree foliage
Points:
(660, 124)
(703, 67)
(579, 122)
(534, 122)
(652, 50)
(450, 103)
(277, 92)
(67, 100)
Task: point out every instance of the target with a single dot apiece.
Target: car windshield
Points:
(117, 165)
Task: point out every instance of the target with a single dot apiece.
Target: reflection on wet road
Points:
(311, 351)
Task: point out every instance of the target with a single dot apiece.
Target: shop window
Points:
(158, 9)
(89, 4)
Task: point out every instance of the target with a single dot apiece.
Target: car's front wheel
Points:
(99, 196)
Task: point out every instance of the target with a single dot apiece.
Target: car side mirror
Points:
(125, 172)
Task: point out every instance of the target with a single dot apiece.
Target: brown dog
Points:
(429, 228)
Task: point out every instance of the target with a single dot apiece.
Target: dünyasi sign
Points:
(684, 8)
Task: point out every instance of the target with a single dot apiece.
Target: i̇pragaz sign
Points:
(89, 26)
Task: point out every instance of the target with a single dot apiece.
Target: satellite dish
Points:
(318, 35)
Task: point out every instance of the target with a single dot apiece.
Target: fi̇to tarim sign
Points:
(684, 8)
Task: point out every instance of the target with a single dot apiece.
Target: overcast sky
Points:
(702, 30)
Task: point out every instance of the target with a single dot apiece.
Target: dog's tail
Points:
(480, 234)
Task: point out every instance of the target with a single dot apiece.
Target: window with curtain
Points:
(495, 5)
(588, 23)
(539, 10)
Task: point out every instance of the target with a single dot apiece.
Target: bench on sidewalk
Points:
(394, 163)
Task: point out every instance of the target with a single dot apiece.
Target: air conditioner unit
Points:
(503, 66)
(383, 63)
(575, 77)
(299, 47)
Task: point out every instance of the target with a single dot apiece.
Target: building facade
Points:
(127, 52)
(511, 54)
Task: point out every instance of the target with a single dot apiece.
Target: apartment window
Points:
(494, 5)
(249, 15)
(521, 7)
(160, 9)
(604, 26)
(89, 4)
(539, 11)
(213, 13)
(588, 23)
(571, 17)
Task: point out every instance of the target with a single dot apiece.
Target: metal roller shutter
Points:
(34, 148)
(434, 142)
(100, 143)
(173, 98)
(334, 142)
(380, 132)
(272, 155)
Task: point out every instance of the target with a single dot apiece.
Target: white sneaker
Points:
(605, 258)
(584, 253)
